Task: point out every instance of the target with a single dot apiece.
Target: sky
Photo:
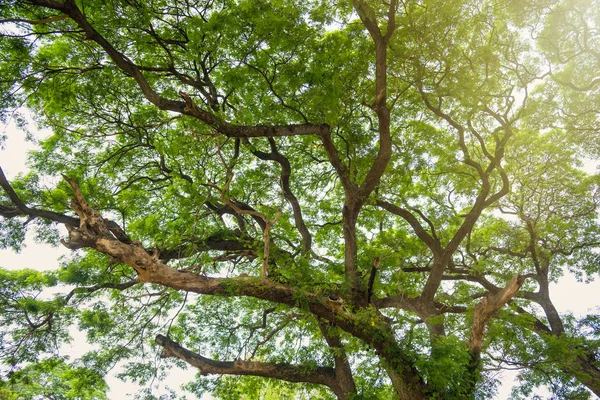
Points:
(568, 296)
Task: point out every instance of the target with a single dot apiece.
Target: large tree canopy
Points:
(367, 199)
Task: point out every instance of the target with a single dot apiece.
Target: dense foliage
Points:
(303, 199)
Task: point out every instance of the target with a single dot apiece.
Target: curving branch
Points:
(343, 372)
(485, 197)
(21, 209)
(356, 195)
(286, 172)
(287, 372)
(580, 364)
(431, 241)
(342, 170)
(221, 209)
(366, 14)
(242, 245)
(95, 288)
(187, 106)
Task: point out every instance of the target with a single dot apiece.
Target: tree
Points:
(370, 199)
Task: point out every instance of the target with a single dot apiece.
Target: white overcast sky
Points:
(568, 296)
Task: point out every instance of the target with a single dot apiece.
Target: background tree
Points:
(367, 198)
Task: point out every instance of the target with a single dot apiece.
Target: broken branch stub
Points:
(487, 307)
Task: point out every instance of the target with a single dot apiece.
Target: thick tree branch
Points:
(22, 209)
(343, 372)
(401, 301)
(578, 365)
(357, 195)
(288, 372)
(91, 233)
(431, 242)
(481, 314)
(42, 21)
(416, 305)
(483, 200)
(340, 167)
(384, 154)
(188, 106)
(488, 307)
(243, 246)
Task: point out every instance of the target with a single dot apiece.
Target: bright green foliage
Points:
(55, 379)
(446, 144)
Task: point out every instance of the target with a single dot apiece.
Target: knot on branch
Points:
(167, 353)
(190, 106)
(77, 239)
